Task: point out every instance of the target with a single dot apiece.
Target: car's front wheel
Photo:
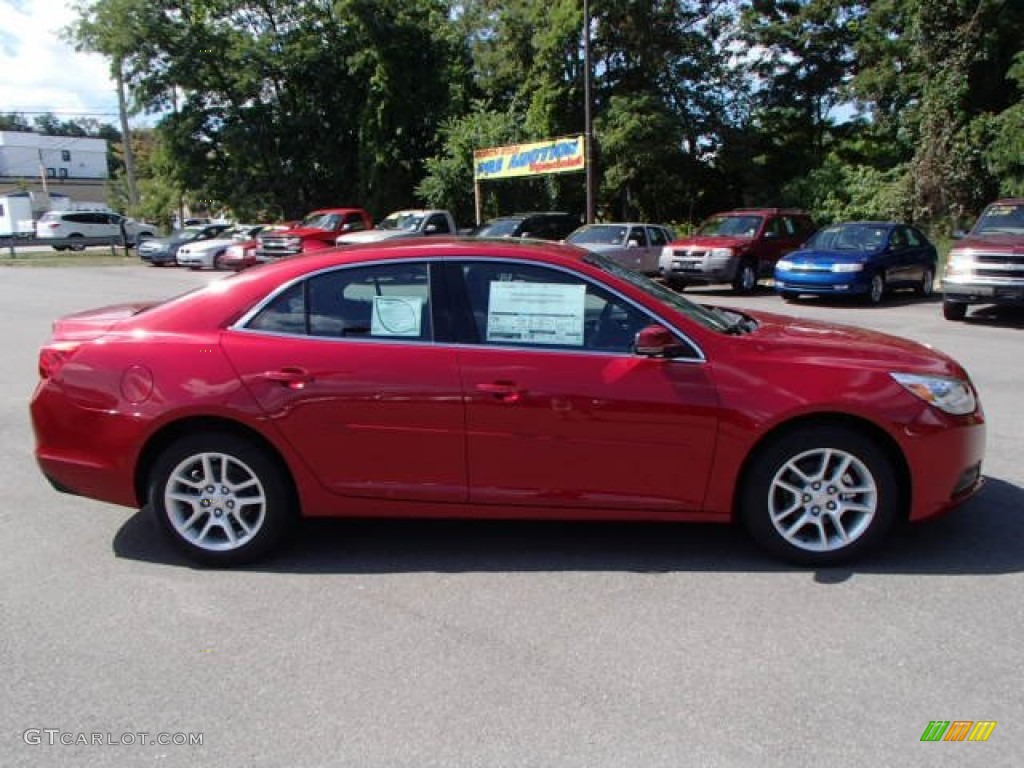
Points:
(746, 277)
(876, 289)
(954, 310)
(221, 499)
(819, 495)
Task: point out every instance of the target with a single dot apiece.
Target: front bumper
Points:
(1002, 292)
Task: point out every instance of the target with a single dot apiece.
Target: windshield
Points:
(408, 221)
(707, 317)
(731, 226)
(187, 234)
(499, 228)
(325, 221)
(854, 237)
(601, 234)
(1001, 219)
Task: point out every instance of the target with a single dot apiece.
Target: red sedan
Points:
(469, 378)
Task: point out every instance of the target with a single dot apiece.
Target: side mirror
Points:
(770, 235)
(657, 341)
(430, 229)
(348, 226)
(633, 243)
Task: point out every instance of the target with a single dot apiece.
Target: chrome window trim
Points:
(240, 324)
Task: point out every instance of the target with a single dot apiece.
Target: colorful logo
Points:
(958, 730)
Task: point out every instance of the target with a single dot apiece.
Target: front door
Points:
(561, 413)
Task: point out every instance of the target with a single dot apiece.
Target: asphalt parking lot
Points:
(421, 644)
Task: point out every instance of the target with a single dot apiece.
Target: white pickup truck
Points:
(408, 223)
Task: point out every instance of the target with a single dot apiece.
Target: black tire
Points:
(745, 280)
(218, 261)
(676, 285)
(927, 285)
(823, 508)
(75, 246)
(60, 247)
(954, 310)
(225, 525)
(876, 292)
(790, 296)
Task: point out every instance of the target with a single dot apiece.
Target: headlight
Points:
(953, 396)
(847, 267)
(959, 261)
(721, 253)
(784, 265)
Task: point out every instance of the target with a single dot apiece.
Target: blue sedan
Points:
(862, 258)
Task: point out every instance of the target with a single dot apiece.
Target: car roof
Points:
(541, 251)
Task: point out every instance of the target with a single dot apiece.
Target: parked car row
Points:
(863, 259)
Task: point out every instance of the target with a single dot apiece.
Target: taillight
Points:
(53, 224)
(53, 356)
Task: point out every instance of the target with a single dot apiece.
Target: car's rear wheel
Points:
(954, 310)
(876, 290)
(746, 277)
(790, 296)
(927, 285)
(218, 261)
(819, 495)
(221, 499)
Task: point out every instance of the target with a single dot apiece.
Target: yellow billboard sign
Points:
(552, 156)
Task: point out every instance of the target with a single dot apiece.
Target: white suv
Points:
(74, 224)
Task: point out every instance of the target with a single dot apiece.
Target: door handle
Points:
(293, 378)
(506, 391)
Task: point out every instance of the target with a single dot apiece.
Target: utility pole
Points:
(126, 137)
(588, 128)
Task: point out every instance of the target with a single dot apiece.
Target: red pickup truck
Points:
(317, 230)
(986, 266)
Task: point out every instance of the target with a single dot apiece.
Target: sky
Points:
(39, 72)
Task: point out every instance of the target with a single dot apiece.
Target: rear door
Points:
(344, 365)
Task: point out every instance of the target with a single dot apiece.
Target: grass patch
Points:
(99, 257)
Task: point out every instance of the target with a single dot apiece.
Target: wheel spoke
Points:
(822, 500)
(222, 510)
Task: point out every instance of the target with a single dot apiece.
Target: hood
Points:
(711, 241)
(93, 323)
(791, 339)
(829, 257)
(998, 242)
(599, 247)
(205, 244)
(295, 232)
(371, 236)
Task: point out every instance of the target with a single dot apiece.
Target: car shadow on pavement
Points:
(983, 536)
(1000, 317)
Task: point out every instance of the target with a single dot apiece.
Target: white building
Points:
(71, 165)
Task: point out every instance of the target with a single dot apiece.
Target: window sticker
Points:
(397, 316)
(536, 313)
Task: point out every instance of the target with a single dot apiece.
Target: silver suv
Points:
(71, 225)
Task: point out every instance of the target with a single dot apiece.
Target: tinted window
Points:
(658, 236)
(526, 305)
(286, 313)
(379, 302)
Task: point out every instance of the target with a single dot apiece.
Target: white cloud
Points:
(40, 72)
